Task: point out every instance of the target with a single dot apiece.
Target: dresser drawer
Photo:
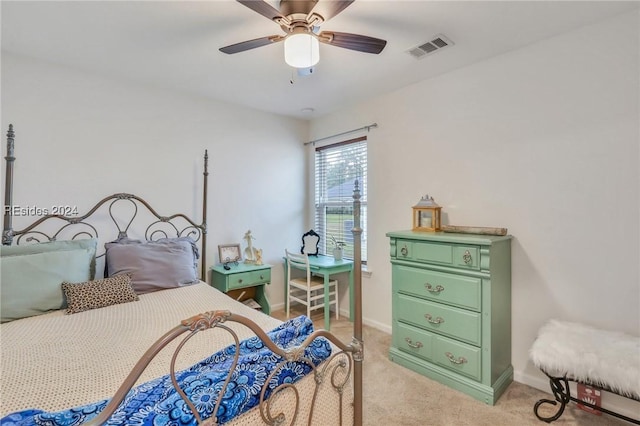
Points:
(442, 319)
(403, 250)
(457, 356)
(453, 289)
(413, 340)
(456, 255)
(450, 354)
(251, 278)
(467, 257)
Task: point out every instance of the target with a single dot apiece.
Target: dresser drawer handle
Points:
(466, 257)
(438, 320)
(416, 345)
(460, 360)
(404, 251)
(432, 289)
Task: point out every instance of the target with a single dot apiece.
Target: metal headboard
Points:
(51, 227)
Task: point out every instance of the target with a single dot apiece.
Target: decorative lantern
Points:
(426, 215)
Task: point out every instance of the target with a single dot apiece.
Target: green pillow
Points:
(31, 283)
(90, 244)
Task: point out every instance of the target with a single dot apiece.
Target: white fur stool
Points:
(567, 351)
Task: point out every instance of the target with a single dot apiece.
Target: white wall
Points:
(543, 141)
(80, 137)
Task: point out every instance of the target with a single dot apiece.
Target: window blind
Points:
(337, 167)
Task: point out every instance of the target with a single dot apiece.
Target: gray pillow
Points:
(31, 283)
(153, 265)
(192, 243)
(90, 244)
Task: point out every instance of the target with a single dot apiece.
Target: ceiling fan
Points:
(301, 20)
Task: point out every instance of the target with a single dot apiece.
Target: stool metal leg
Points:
(561, 393)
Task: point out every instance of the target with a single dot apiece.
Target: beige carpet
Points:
(394, 395)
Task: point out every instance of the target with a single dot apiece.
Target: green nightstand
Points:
(244, 281)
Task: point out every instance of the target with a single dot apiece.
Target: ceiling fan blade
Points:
(263, 8)
(353, 41)
(328, 9)
(251, 44)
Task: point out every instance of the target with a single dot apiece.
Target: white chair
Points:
(308, 290)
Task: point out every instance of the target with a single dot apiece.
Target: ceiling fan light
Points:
(301, 50)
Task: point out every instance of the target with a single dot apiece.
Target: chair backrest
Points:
(297, 261)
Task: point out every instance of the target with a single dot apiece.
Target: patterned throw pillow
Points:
(99, 293)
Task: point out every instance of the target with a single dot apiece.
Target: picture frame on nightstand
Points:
(229, 253)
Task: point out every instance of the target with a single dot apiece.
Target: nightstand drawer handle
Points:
(432, 289)
(404, 251)
(460, 360)
(240, 281)
(438, 320)
(262, 277)
(467, 257)
(416, 345)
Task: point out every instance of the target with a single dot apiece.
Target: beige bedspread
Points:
(57, 361)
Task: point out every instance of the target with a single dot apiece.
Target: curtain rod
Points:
(367, 128)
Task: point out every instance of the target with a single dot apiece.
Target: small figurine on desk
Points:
(250, 252)
(258, 257)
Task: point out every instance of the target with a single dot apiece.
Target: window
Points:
(338, 166)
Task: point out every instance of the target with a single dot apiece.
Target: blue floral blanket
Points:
(157, 403)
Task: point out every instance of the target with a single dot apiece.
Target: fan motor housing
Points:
(291, 8)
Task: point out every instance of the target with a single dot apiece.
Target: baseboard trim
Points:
(377, 325)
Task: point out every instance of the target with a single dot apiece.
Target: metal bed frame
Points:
(337, 369)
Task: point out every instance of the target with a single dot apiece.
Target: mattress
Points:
(61, 361)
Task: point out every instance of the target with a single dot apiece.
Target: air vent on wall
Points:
(439, 42)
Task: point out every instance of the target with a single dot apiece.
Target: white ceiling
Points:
(174, 44)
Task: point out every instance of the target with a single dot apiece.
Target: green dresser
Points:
(452, 309)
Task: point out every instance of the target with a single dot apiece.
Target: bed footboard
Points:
(336, 370)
